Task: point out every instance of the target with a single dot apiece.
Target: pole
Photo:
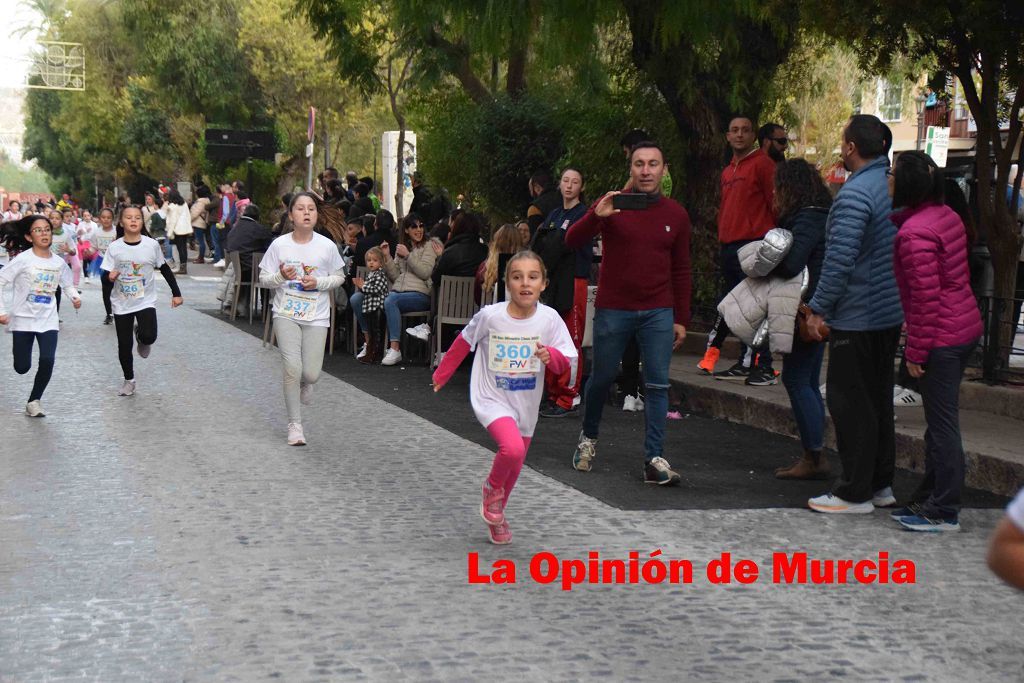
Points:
(309, 171)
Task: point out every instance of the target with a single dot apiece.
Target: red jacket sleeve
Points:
(766, 179)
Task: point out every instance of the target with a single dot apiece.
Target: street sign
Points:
(937, 144)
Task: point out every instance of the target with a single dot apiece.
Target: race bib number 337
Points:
(513, 354)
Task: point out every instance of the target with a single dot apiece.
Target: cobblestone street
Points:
(174, 536)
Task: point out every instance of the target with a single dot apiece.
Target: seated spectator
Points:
(247, 237)
(463, 252)
(409, 272)
(507, 240)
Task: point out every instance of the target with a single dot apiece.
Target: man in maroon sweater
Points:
(644, 290)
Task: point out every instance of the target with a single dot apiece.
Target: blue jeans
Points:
(218, 251)
(200, 235)
(356, 302)
(398, 303)
(168, 248)
(612, 331)
(801, 372)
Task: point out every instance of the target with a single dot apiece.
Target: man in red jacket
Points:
(644, 291)
(745, 214)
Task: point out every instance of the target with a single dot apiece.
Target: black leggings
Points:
(23, 358)
(108, 287)
(125, 326)
(181, 241)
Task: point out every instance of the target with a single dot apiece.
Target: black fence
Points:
(1001, 350)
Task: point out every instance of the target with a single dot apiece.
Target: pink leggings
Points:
(511, 455)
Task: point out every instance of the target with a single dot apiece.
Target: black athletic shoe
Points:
(761, 378)
(555, 410)
(736, 372)
(659, 472)
(109, 320)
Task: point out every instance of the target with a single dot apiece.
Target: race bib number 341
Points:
(513, 354)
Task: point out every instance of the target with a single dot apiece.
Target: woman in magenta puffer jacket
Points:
(943, 326)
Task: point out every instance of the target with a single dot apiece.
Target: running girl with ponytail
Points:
(131, 263)
(102, 238)
(35, 274)
(516, 343)
(301, 267)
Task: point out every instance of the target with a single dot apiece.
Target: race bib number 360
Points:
(513, 354)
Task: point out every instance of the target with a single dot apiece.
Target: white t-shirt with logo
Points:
(35, 280)
(137, 264)
(86, 229)
(60, 244)
(508, 379)
(101, 239)
(1015, 510)
(320, 258)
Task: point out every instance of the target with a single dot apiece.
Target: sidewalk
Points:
(991, 419)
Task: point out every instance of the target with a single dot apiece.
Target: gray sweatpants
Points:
(302, 350)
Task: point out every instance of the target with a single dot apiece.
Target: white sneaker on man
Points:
(836, 505)
(883, 498)
(392, 357)
(421, 331)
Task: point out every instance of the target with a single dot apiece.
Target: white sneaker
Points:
(421, 331)
(883, 498)
(220, 264)
(127, 389)
(295, 435)
(629, 403)
(907, 397)
(33, 409)
(362, 352)
(305, 394)
(392, 357)
(638, 405)
(836, 505)
(821, 390)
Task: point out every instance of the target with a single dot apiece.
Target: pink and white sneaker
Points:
(295, 435)
(500, 533)
(492, 505)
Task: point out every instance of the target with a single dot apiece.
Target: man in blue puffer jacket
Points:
(857, 296)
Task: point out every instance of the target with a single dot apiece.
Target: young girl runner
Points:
(102, 238)
(301, 267)
(512, 340)
(35, 274)
(131, 263)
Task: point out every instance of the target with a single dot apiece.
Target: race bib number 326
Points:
(513, 354)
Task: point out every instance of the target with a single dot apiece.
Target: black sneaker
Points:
(761, 378)
(109, 320)
(911, 510)
(736, 372)
(658, 471)
(555, 410)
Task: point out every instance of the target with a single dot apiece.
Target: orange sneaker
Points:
(707, 363)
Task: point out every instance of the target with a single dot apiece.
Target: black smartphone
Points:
(630, 201)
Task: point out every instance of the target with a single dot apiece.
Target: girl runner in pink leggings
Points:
(515, 341)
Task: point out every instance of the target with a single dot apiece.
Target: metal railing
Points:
(1001, 349)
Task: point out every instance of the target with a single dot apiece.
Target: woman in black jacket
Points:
(802, 201)
(463, 253)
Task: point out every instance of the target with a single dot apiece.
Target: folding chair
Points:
(254, 286)
(455, 305)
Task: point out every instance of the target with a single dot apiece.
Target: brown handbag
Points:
(803, 313)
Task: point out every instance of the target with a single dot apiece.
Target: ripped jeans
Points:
(612, 331)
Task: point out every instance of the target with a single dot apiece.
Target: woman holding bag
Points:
(802, 202)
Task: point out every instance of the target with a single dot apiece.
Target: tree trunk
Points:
(460, 67)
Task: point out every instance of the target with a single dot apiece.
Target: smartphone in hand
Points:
(629, 201)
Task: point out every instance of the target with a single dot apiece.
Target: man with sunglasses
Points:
(772, 139)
